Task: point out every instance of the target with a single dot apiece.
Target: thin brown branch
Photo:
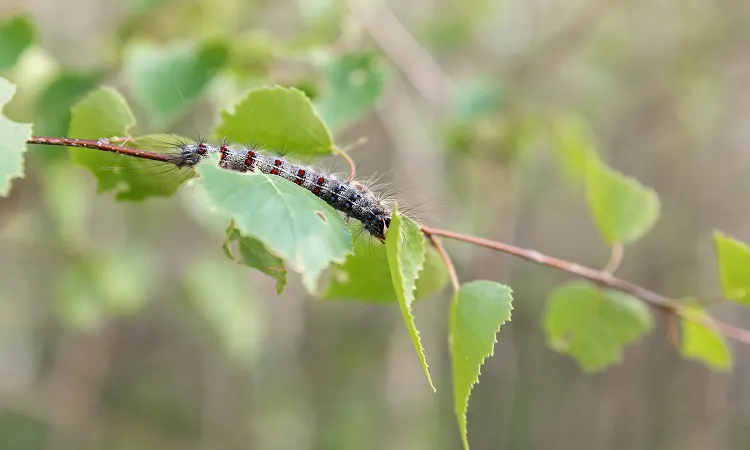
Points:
(101, 144)
(599, 277)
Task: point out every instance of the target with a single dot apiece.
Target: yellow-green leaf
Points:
(593, 325)
(622, 208)
(704, 344)
(477, 312)
(13, 137)
(405, 248)
(734, 267)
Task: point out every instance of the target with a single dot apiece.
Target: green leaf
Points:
(16, 35)
(476, 98)
(117, 284)
(622, 208)
(734, 267)
(366, 276)
(76, 300)
(353, 84)
(167, 80)
(278, 119)
(405, 250)
(593, 325)
(13, 137)
(124, 278)
(220, 295)
(574, 144)
(68, 202)
(104, 113)
(291, 222)
(702, 343)
(477, 312)
(253, 253)
(52, 107)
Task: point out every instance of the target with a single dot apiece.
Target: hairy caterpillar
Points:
(352, 198)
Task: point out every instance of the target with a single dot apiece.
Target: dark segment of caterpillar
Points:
(351, 198)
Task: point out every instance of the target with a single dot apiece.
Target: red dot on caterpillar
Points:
(321, 180)
(301, 173)
(274, 171)
(316, 190)
(298, 182)
(277, 162)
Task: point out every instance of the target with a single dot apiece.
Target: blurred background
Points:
(123, 325)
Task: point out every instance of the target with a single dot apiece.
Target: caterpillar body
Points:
(352, 198)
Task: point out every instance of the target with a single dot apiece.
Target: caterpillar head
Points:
(377, 222)
(189, 155)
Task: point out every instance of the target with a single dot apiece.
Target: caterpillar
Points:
(354, 199)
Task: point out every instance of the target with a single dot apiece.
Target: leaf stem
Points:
(349, 160)
(615, 258)
(443, 254)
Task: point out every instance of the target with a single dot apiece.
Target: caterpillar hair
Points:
(352, 198)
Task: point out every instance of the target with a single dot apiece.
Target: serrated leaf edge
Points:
(406, 310)
(463, 424)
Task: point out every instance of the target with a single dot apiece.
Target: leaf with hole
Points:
(292, 223)
(477, 312)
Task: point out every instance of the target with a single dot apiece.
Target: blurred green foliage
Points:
(300, 78)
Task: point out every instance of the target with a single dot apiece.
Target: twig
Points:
(102, 144)
(657, 300)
